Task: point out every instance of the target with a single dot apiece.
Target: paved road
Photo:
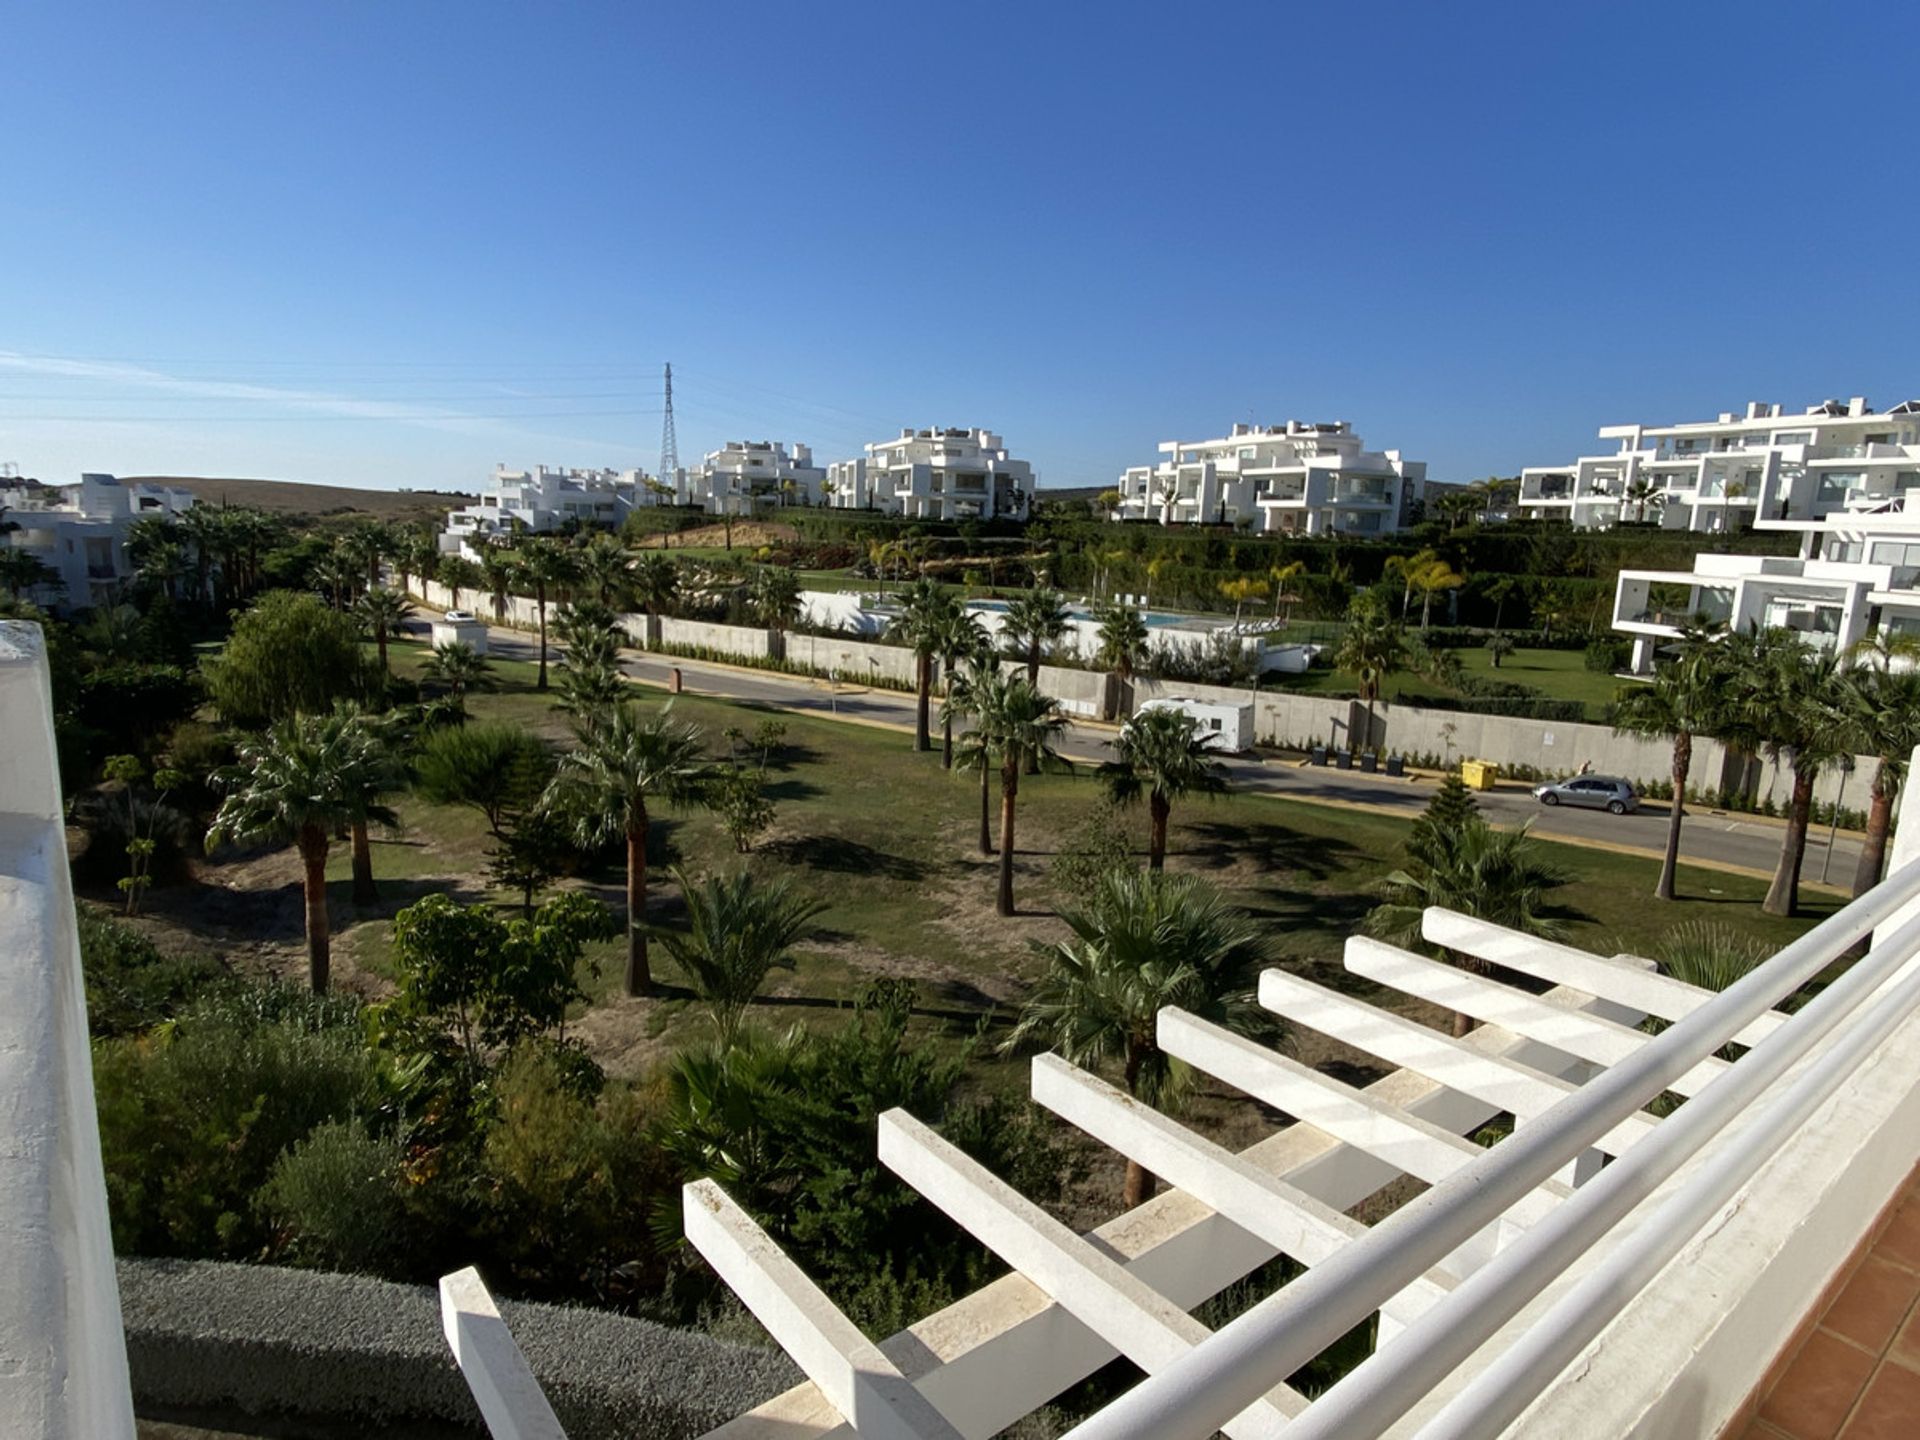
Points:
(1709, 837)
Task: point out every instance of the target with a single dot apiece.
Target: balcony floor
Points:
(1856, 1374)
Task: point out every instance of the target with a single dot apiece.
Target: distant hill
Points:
(291, 497)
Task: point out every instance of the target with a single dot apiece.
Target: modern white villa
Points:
(1300, 478)
(1841, 476)
(747, 476)
(935, 475)
(1729, 474)
(542, 499)
(80, 531)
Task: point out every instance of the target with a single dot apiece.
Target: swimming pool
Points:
(1081, 612)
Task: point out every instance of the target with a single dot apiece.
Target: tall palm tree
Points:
(1431, 579)
(459, 667)
(962, 640)
(1142, 943)
(1017, 723)
(1036, 621)
(1371, 649)
(370, 769)
(497, 567)
(1682, 701)
(1162, 754)
(1493, 875)
(1123, 646)
(965, 695)
(384, 612)
(1242, 589)
(738, 930)
(458, 574)
(1642, 495)
(545, 565)
(1281, 575)
(1406, 567)
(656, 583)
(925, 609)
(605, 568)
(773, 598)
(603, 788)
(1882, 710)
(294, 784)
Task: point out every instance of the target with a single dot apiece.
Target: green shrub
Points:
(336, 1200)
(1094, 849)
(130, 984)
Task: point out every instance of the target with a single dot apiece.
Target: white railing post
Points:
(1906, 845)
(510, 1399)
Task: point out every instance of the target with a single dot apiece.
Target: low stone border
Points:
(208, 1339)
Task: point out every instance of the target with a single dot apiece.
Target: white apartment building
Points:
(544, 499)
(80, 532)
(847, 486)
(745, 477)
(937, 475)
(1300, 478)
(1844, 478)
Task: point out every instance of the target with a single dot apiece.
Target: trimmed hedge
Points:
(207, 1340)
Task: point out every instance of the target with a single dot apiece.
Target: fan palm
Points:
(1882, 711)
(458, 574)
(299, 782)
(383, 611)
(544, 565)
(925, 609)
(1017, 723)
(604, 786)
(1143, 943)
(605, 568)
(1281, 575)
(773, 598)
(1162, 754)
(962, 640)
(1681, 702)
(738, 930)
(459, 667)
(1122, 648)
(656, 583)
(1371, 649)
(965, 694)
(1035, 622)
(497, 570)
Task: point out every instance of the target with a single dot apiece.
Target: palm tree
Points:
(1493, 875)
(383, 611)
(605, 568)
(1162, 754)
(1240, 590)
(1882, 710)
(369, 771)
(295, 783)
(1405, 566)
(544, 565)
(737, 931)
(964, 697)
(458, 574)
(497, 567)
(1280, 575)
(656, 583)
(459, 667)
(924, 611)
(1143, 943)
(1123, 646)
(962, 639)
(1371, 649)
(1430, 579)
(1642, 494)
(1017, 723)
(1682, 701)
(1035, 622)
(773, 598)
(22, 570)
(603, 787)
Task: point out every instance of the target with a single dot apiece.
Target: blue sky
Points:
(393, 244)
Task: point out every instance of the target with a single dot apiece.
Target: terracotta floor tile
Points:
(1890, 1409)
(1900, 1241)
(1760, 1430)
(1876, 1300)
(1818, 1388)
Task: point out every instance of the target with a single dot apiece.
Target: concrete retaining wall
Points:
(856, 660)
(749, 643)
(213, 1340)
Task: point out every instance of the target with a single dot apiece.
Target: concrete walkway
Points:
(1711, 839)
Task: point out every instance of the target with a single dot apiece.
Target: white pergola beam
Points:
(1137, 1320)
(510, 1399)
(1623, 979)
(1577, 1033)
(857, 1380)
(1523, 1091)
(1287, 1218)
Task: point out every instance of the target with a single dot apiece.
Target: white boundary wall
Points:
(63, 1363)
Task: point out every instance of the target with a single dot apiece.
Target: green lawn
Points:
(1557, 674)
(888, 839)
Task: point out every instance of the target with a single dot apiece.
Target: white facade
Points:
(80, 531)
(936, 475)
(1737, 471)
(544, 499)
(748, 477)
(1841, 476)
(1300, 478)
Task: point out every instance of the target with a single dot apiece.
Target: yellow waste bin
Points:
(1479, 774)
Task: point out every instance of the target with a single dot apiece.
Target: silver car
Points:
(1593, 792)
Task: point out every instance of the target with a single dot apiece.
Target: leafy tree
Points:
(738, 931)
(1493, 875)
(925, 611)
(288, 655)
(23, 572)
(1014, 723)
(1035, 622)
(1683, 700)
(739, 795)
(383, 612)
(1163, 756)
(298, 783)
(1372, 649)
(500, 770)
(1143, 942)
(531, 851)
(604, 787)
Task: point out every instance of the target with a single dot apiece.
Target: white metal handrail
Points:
(1224, 1374)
